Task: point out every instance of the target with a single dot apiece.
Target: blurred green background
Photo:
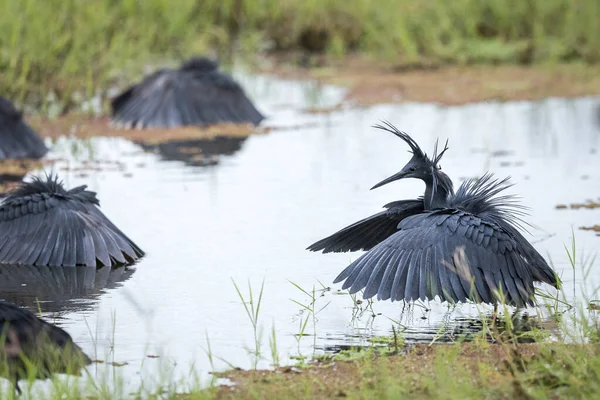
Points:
(63, 46)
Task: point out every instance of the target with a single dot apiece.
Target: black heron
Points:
(17, 139)
(196, 93)
(32, 347)
(456, 246)
(42, 223)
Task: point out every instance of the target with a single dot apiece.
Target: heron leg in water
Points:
(495, 315)
(17, 388)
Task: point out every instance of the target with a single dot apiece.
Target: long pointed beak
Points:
(392, 178)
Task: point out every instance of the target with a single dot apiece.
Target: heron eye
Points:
(412, 169)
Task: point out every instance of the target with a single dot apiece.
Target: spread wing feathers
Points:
(17, 139)
(468, 251)
(450, 254)
(172, 98)
(480, 197)
(543, 272)
(365, 234)
(32, 335)
(41, 223)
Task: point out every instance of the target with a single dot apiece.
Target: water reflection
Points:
(253, 219)
(597, 115)
(197, 152)
(12, 173)
(520, 326)
(58, 289)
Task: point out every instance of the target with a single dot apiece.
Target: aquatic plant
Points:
(252, 308)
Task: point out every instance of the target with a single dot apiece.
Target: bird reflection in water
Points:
(519, 326)
(197, 152)
(59, 289)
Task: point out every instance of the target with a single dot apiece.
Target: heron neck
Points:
(435, 195)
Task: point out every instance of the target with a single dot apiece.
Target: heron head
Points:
(420, 166)
(199, 64)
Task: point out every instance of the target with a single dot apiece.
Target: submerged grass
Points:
(71, 49)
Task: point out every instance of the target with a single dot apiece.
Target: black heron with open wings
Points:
(42, 223)
(455, 246)
(32, 347)
(196, 93)
(17, 139)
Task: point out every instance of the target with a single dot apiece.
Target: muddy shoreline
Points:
(374, 82)
(369, 82)
(501, 370)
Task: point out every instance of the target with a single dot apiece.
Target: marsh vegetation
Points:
(61, 52)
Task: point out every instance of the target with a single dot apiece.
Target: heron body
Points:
(454, 246)
(17, 139)
(32, 347)
(42, 223)
(196, 93)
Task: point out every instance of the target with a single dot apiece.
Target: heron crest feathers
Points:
(480, 196)
(51, 186)
(414, 147)
(199, 64)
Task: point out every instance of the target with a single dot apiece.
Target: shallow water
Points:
(250, 212)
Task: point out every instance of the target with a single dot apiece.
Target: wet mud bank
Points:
(424, 371)
(372, 82)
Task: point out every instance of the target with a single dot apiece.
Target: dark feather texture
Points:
(195, 94)
(452, 246)
(17, 139)
(365, 234)
(27, 339)
(42, 223)
(466, 251)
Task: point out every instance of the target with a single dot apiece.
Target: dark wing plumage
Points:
(447, 253)
(216, 97)
(41, 223)
(150, 103)
(195, 94)
(49, 348)
(540, 271)
(17, 139)
(365, 234)
(468, 251)
(480, 197)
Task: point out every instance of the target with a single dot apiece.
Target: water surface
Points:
(250, 212)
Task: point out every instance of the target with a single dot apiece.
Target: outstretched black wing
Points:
(55, 227)
(172, 98)
(365, 234)
(542, 271)
(150, 103)
(448, 253)
(218, 98)
(17, 139)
